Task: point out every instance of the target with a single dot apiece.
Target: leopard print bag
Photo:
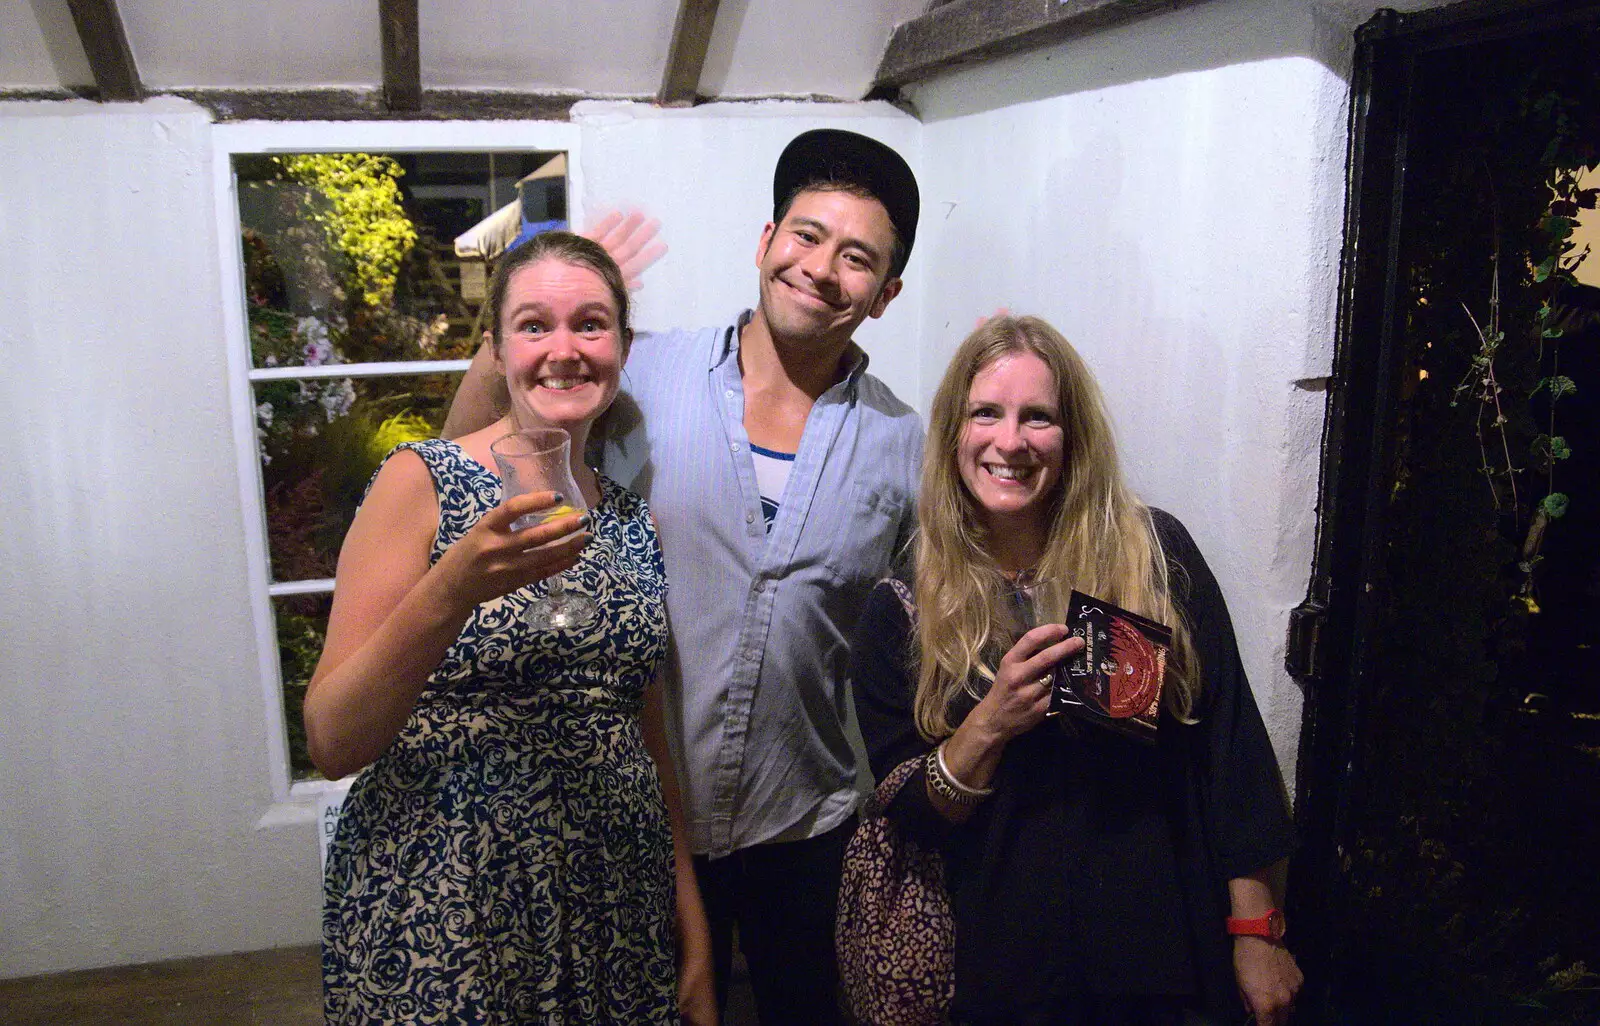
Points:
(895, 936)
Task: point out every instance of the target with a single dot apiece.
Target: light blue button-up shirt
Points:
(754, 681)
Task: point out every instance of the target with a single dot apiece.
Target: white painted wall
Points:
(132, 724)
(1169, 195)
(261, 44)
(614, 48)
(41, 48)
(795, 48)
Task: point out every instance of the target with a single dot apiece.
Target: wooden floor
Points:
(269, 988)
(272, 988)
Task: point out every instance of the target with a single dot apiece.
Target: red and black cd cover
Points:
(1115, 680)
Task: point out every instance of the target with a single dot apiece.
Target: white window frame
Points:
(296, 801)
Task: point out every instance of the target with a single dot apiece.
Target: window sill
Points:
(303, 804)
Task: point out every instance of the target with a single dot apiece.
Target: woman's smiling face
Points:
(561, 346)
(1012, 445)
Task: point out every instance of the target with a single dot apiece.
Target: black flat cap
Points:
(833, 155)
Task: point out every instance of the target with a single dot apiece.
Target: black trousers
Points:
(783, 898)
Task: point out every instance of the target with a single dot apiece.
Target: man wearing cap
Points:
(782, 478)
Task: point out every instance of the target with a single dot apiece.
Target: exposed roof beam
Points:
(106, 46)
(402, 55)
(368, 105)
(963, 31)
(691, 37)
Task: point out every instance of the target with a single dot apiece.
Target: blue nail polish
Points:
(559, 498)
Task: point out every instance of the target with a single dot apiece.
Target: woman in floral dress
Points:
(513, 850)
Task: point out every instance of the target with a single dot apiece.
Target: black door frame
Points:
(1327, 650)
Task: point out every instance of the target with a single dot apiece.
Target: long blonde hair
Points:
(1102, 541)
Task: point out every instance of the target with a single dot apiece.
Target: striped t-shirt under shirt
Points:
(772, 474)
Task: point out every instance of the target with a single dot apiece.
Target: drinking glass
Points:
(1034, 601)
(540, 460)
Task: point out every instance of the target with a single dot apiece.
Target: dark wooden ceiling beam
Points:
(402, 55)
(105, 44)
(686, 58)
(369, 105)
(961, 32)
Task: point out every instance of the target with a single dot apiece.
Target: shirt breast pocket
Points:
(864, 537)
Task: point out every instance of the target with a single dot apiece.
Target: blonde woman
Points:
(1093, 878)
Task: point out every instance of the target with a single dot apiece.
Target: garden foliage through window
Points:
(364, 279)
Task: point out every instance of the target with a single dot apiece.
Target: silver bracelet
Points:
(945, 784)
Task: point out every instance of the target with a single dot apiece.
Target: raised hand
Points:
(630, 238)
(492, 560)
(1020, 697)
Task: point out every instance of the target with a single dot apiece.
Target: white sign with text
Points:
(329, 805)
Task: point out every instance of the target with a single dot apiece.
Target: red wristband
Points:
(1270, 926)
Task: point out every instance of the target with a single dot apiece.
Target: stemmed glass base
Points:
(560, 609)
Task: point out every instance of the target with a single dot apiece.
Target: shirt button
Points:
(749, 518)
(733, 446)
(728, 393)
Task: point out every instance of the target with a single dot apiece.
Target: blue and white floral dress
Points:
(509, 859)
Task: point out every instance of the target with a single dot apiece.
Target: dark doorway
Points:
(1449, 789)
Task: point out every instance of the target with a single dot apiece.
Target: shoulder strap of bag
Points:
(891, 784)
(898, 777)
(902, 591)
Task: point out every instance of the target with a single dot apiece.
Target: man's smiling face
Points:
(825, 267)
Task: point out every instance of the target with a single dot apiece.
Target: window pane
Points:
(302, 625)
(350, 257)
(320, 443)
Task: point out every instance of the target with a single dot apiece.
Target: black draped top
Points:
(1100, 866)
